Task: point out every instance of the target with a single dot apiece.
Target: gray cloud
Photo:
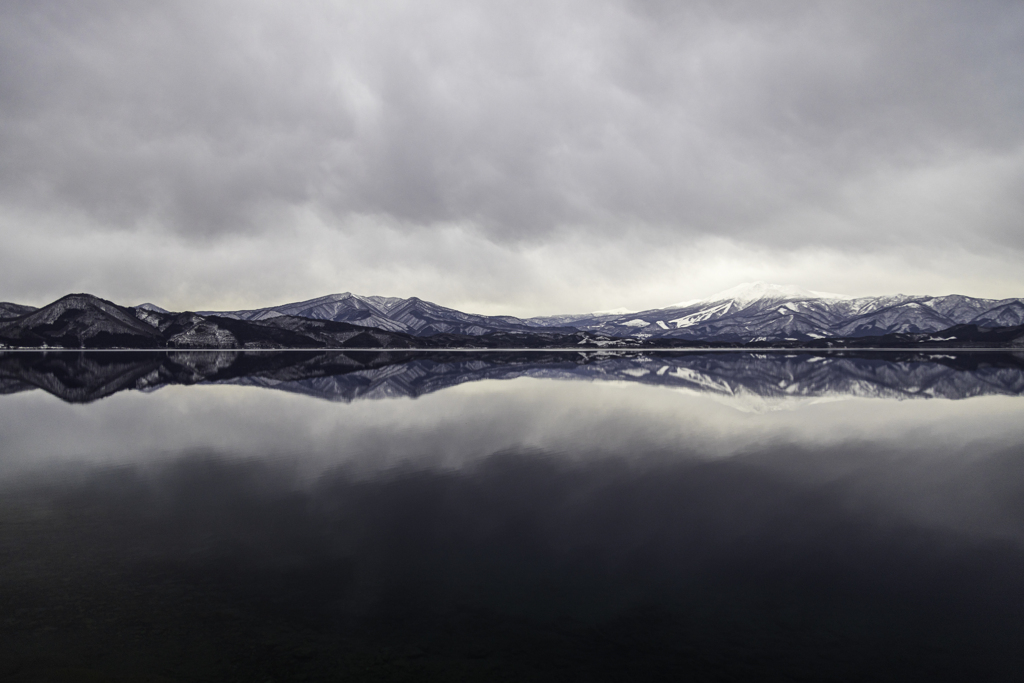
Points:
(830, 124)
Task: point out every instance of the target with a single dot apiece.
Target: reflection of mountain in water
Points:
(81, 377)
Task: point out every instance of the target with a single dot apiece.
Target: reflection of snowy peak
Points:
(732, 376)
(763, 312)
(339, 376)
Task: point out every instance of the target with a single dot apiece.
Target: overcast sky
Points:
(520, 157)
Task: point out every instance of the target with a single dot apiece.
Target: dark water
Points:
(544, 516)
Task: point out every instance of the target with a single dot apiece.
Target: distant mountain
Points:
(747, 380)
(9, 310)
(758, 311)
(411, 316)
(151, 307)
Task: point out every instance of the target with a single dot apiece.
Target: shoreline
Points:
(772, 349)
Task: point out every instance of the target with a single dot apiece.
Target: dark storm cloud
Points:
(518, 119)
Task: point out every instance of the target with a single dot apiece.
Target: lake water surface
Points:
(511, 516)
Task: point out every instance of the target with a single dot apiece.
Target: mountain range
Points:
(750, 312)
(763, 312)
(753, 313)
(83, 321)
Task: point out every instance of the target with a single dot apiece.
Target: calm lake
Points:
(512, 516)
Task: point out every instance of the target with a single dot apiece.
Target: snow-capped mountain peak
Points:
(749, 292)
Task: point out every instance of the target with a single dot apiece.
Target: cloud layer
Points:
(526, 128)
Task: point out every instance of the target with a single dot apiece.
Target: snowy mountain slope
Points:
(411, 316)
(346, 307)
(150, 307)
(749, 292)
(82, 321)
(763, 312)
(85, 321)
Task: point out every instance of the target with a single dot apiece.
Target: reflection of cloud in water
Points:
(580, 421)
(749, 402)
(579, 526)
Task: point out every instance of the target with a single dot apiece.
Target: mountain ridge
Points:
(749, 312)
(753, 313)
(84, 321)
(760, 312)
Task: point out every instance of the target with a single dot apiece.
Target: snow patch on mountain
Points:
(701, 316)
